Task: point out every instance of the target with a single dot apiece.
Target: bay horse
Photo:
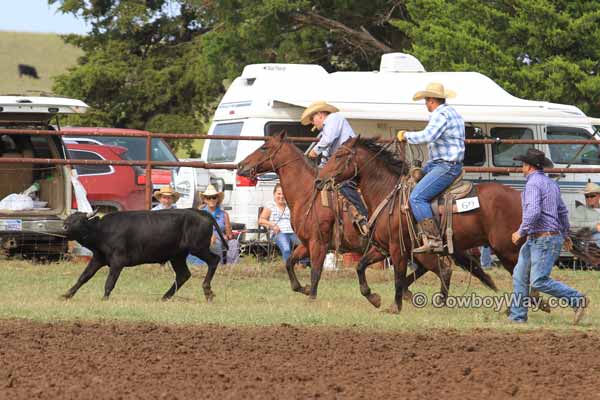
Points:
(378, 171)
(314, 223)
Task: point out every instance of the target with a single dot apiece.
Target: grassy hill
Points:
(45, 51)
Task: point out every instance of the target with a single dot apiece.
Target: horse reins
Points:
(270, 158)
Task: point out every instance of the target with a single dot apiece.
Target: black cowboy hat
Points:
(535, 157)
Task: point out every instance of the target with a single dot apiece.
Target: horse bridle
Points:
(351, 157)
(270, 158)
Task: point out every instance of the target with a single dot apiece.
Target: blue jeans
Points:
(536, 259)
(596, 238)
(439, 175)
(286, 242)
(348, 190)
(486, 256)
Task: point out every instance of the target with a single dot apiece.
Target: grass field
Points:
(258, 294)
(46, 52)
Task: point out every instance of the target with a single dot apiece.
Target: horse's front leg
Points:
(299, 253)
(318, 251)
(400, 263)
(372, 256)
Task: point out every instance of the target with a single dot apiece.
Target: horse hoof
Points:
(105, 298)
(374, 299)
(66, 296)
(210, 297)
(407, 295)
(306, 290)
(392, 309)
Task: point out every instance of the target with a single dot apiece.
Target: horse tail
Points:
(470, 264)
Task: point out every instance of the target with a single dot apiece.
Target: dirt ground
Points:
(121, 361)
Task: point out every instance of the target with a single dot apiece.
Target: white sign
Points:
(467, 204)
(11, 225)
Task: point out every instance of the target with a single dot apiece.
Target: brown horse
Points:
(314, 223)
(378, 171)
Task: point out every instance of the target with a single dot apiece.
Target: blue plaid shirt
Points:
(444, 135)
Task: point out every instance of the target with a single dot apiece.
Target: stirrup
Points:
(363, 226)
(435, 246)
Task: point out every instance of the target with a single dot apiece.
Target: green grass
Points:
(253, 295)
(44, 51)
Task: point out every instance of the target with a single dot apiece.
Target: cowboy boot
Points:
(361, 222)
(432, 242)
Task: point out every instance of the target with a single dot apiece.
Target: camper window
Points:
(293, 129)
(503, 154)
(224, 150)
(474, 153)
(572, 153)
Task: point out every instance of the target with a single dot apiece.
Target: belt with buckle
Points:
(543, 234)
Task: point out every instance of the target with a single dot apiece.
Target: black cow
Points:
(129, 238)
(28, 70)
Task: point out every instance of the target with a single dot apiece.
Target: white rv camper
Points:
(267, 98)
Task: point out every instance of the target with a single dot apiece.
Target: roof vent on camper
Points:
(400, 62)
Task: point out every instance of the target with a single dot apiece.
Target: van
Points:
(35, 232)
(267, 98)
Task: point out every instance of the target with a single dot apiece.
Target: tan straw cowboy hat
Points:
(436, 90)
(166, 191)
(314, 108)
(211, 191)
(591, 187)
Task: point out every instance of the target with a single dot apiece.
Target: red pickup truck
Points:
(113, 187)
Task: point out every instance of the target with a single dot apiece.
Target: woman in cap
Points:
(211, 202)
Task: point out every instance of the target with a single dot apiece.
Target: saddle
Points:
(445, 205)
(459, 197)
(458, 189)
(332, 198)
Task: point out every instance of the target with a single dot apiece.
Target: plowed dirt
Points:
(124, 361)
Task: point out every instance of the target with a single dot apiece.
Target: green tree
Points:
(536, 49)
(148, 59)
(161, 64)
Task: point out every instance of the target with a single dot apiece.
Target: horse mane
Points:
(299, 152)
(393, 164)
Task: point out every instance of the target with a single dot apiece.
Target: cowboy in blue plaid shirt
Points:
(445, 138)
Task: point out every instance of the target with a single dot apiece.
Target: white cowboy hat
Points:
(211, 191)
(166, 191)
(591, 187)
(314, 108)
(436, 90)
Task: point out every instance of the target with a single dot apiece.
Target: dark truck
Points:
(35, 232)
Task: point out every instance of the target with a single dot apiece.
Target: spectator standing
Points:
(211, 202)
